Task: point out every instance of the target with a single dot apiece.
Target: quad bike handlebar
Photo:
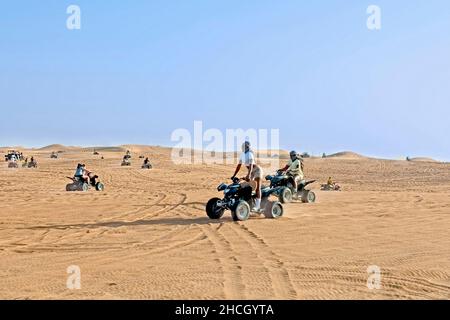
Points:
(237, 180)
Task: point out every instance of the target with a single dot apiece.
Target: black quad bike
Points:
(79, 184)
(240, 199)
(283, 187)
(31, 164)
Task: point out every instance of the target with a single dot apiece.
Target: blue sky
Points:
(137, 70)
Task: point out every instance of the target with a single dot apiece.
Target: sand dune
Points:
(147, 236)
(56, 147)
(422, 159)
(346, 155)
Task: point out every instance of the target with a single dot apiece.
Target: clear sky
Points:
(137, 70)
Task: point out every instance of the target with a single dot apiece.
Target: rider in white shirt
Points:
(255, 173)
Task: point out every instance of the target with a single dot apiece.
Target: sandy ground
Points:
(147, 235)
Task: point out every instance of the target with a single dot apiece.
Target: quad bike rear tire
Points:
(285, 195)
(212, 211)
(241, 211)
(308, 196)
(273, 210)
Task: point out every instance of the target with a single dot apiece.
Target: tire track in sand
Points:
(280, 278)
(233, 284)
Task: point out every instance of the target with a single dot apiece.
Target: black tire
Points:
(241, 211)
(273, 210)
(285, 195)
(99, 186)
(68, 187)
(308, 196)
(212, 211)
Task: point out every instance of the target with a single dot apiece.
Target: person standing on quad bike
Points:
(254, 172)
(294, 168)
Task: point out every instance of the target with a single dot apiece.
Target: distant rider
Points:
(254, 172)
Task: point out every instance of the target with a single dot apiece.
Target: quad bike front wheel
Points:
(273, 210)
(308, 196)
(241, 211)
(213, 210)
(99, 186)
(285, 195)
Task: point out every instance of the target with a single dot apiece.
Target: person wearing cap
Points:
(294, 168)
(254, 173)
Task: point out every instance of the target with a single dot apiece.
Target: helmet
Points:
(293, 154)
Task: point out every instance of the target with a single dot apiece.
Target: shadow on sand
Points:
(175, 221)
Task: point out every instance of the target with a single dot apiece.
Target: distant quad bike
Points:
(147, 166)
(330, 187)
(240, 199)
(283, 187)
(13, 164)
(141, 157)
(125, 162)
(31, 164)
(80, 185)
(96, 153)
(54, 155)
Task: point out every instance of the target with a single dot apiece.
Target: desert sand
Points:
(147, 235)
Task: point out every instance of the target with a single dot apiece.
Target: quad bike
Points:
(141, 157)
(54, 156)
(283, 186)
(240, 199)
(147, 166)
(13, 164)
(96, 153)
(31, 164)
(81, 185)
(330, 187)
(125, 162)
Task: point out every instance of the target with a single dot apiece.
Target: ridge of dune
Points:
(104, 149)
(141, 148)
(346, 155)
(56, 147)
(422, 159)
